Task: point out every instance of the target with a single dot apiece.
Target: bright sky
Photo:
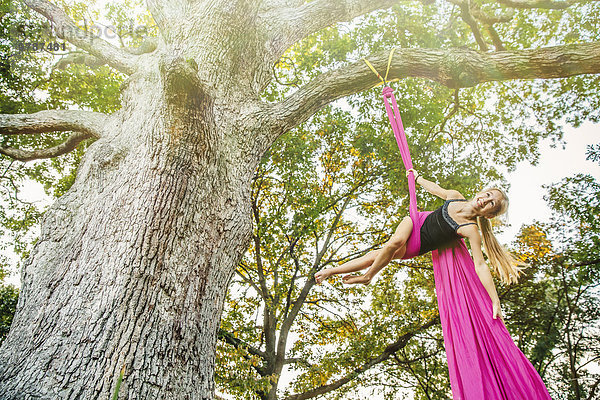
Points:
(526, 192)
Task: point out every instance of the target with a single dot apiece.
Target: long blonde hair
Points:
(504, 264)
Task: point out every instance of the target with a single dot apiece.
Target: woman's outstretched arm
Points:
(436, 189)
(482, 269)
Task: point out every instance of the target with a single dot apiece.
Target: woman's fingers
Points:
(318, 277)
(497, 312)
(321, 276)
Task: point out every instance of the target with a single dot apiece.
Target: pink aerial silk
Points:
(483, 361)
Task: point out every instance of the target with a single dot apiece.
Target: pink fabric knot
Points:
(388, 91)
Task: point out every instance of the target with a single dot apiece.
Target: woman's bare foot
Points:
(354, 279)
(322, 275)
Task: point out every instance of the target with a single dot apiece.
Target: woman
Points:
(457, 218)
(483, 361)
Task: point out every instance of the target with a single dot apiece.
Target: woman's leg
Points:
(394, 248)
(367, 260)
(357, 264)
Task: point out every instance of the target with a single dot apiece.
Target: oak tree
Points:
(133, 262)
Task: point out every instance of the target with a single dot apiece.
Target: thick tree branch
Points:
(78, 58)
(385, 354)
(159, 13)
(294, 361)
(548, 4)
(292, 24)
(454, 68)
(66, 29)
(148, 46)
(487, 20)
(480, 15)
(169, 14)
(88, 122)
(28, 155)
(85, 125)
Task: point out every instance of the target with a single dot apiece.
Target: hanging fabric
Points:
(484, 362)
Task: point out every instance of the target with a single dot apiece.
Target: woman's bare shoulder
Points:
(470, 231)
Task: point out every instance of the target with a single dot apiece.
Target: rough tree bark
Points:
(133, 263)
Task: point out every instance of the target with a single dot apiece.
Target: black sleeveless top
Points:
(439, 229)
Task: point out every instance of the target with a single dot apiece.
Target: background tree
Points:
(310, 195)
(556, 310)
(133, 261)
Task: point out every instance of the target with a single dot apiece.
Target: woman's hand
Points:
(415, 173)
(496, 310)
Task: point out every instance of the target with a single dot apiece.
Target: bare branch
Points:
(66, 29)
(332, 229)
(452, 112)
(495, 37)
(385, 354)
(289, 319)
(258, 253)
(286, 325)
(292, 286)
(249, 281)
(229, 338)
(488, 19)
(465, 13)
(584, 263)
(292, 24)
(27, 155)
(454, 68)
(414, 360)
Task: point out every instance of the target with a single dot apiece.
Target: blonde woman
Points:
(457, 218)
(483, 361)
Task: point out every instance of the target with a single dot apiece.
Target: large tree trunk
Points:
(132, 262)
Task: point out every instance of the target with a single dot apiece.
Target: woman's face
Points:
(487, 203)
